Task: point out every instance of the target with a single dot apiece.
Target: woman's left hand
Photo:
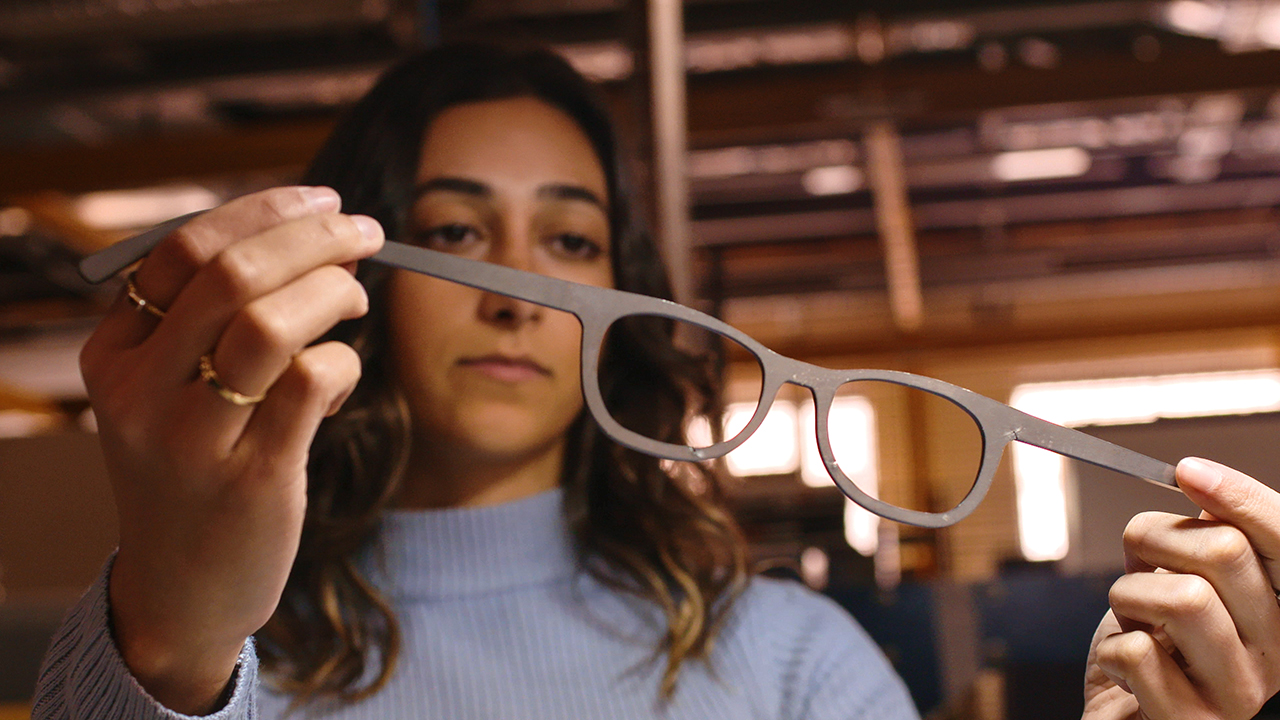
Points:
(1194, 626)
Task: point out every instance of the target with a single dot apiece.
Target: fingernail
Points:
(1197, 473)
(322, 199)
(368, 227)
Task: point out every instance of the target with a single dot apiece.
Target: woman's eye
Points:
(449, 237)
(577, 246)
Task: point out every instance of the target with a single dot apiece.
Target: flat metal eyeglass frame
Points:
(597, 308)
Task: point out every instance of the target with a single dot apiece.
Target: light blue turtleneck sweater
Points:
(500, 622)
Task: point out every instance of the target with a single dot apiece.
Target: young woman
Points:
(458, 540)
(414, 517)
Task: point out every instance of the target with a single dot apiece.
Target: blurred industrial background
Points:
(1016, 196)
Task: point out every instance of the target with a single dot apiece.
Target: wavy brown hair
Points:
(640, 526)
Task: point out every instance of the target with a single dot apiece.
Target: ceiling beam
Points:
(283, 147)
(723, 108)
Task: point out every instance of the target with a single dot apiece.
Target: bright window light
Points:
(698, 432)
(1040, 476)
(772, 449)
(1040, 482)
(852, 424)
(786, 441)
(1021, 165)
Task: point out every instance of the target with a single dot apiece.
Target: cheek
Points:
(569, 366)
(420, 311)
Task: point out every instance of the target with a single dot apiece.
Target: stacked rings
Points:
(207, 373)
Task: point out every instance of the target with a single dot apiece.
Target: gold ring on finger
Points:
(210, 376)
(135, 298)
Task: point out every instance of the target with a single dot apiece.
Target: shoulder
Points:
(816, 657)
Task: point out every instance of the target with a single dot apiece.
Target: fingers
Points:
(313, 386)
(176, 260)
(1200, 620)
(1137, 661)
(250, 283)
(1219, 553)
(1199, 634)
(1233, 497)
(265, 335)
(252, 269)
(197, 245)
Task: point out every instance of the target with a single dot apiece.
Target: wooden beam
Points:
(893, 220)
(668, 102)
(767, 106)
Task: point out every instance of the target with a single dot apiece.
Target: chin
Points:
(509, 435)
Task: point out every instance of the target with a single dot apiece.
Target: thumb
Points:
(1232, 497)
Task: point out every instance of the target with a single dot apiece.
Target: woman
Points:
(529, 568)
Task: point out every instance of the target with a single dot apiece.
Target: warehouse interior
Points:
(1077, 199)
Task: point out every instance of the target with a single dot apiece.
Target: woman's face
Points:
(514, 182)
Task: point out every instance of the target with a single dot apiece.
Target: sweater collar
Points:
(463, 551)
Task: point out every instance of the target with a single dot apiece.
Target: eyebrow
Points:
(555, 191)
(454, 184)
(560, 191)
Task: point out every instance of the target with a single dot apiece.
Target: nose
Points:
(513, 252)
(508, 312)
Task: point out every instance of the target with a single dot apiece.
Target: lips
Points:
(506, 368)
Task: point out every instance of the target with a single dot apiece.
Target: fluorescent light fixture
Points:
(1021, 165)
(131, 209)
(600, 61)
(1267, 27)
(1127, 401)
(1040, 476)
(1194, 17)
(772, 159)
(14, 221)
(852, 424)
(832, 180)
(772, 449)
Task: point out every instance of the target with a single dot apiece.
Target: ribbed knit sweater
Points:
(499, 621)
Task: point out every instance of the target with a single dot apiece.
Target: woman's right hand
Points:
(211, 495)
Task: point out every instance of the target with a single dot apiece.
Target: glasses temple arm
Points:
(1095, 451)
(103, 264)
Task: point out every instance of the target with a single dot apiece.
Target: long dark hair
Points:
(641, 526)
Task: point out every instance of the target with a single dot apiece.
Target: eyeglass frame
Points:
(598, 308)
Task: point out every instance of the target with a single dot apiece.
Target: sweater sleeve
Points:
(83, 675)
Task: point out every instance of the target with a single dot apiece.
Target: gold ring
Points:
(210, 376)
(136, 299)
